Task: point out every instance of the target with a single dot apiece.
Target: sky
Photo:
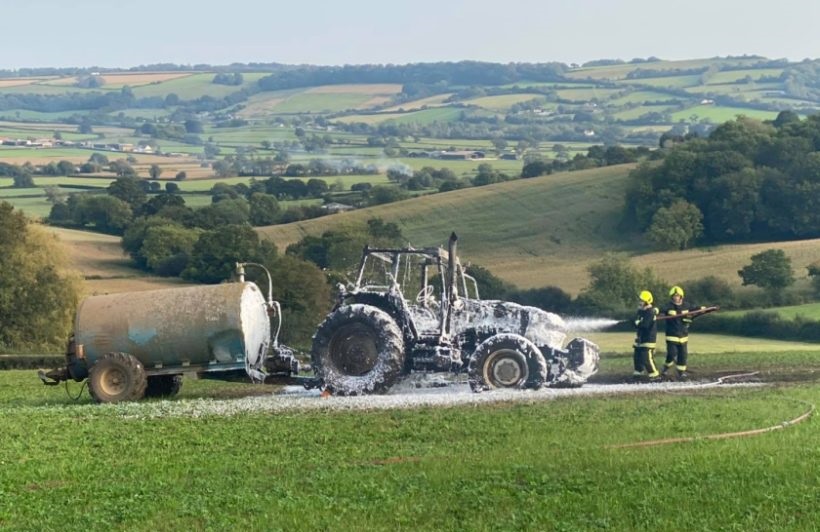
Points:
(105, 33)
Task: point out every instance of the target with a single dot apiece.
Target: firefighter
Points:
(647, 327)
(677, 332)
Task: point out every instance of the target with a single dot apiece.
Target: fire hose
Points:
(724, 435)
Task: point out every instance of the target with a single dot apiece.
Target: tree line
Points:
(749, 180)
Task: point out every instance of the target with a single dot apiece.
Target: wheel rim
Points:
(113, 382)
(354, 350)
(506, 368)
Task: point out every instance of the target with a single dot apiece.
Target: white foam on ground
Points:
(424, 392)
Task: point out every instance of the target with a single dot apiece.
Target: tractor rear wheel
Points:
(358, 349)
(117, 377)
(506, 361)
(163, 385)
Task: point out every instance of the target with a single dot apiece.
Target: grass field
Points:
(544, 231)
(103, 264)
(502, 102)
(718, 114)
(425, 116)
(531, 232)
(809, 311)
(523, 465)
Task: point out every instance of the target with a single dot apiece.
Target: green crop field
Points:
(528, 464)
(672, 82)
(502, 102)
(809, 311)
(191, 87)
(719, 114)
(426, 116)
(636, 112)
(593, 93)
(730, 76)
(643, 97)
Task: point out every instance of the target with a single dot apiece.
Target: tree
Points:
(23, 180)
(770, 269)
(264, 209)
(614, 285)
(181, 176)
(106, 213)
(37, 296)
(155, 171)
(167, 248)
(676, 226)
(216, 253)
(122, 169)
(194, 127)
(129, 189)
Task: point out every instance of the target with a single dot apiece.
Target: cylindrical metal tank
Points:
(208, 326)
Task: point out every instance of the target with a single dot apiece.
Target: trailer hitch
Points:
(53, 377)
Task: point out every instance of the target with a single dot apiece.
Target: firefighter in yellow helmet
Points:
(647, 332)
(677, 331)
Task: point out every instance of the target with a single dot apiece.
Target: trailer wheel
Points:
(117, 377)
(358, 349)
(163, 385)
(506, 361)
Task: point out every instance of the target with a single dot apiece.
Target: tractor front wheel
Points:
(506, 361)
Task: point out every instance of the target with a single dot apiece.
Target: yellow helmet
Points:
(646, 297)
(676, 290)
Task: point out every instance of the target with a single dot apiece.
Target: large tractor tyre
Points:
(506, 361)
(163, 385)
(357, 350)
(117, 377)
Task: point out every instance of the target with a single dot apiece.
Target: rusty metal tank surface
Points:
(211, 326)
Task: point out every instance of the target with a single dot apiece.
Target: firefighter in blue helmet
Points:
(678, 318)
(647, 327)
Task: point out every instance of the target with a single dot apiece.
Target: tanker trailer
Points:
(136, 344)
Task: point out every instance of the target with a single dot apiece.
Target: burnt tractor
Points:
(418, 310)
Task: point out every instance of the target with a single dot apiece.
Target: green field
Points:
(426, 116)
(502, 102)
(809, 311)
(192, 87)
(530, 464)
(718, 114)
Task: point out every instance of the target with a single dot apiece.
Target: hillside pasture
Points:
(16, 82)
(431, 101)
(137, 79)
(531, 232)
(731, 76)
(634, 113)
(190, 87)
(643, 97)
(724, 261)
(718, 114)
(591, 94)
(544, 231)
(504, 101)
(671, 82)
(104, 266)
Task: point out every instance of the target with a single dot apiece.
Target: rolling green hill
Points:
(545, 231)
